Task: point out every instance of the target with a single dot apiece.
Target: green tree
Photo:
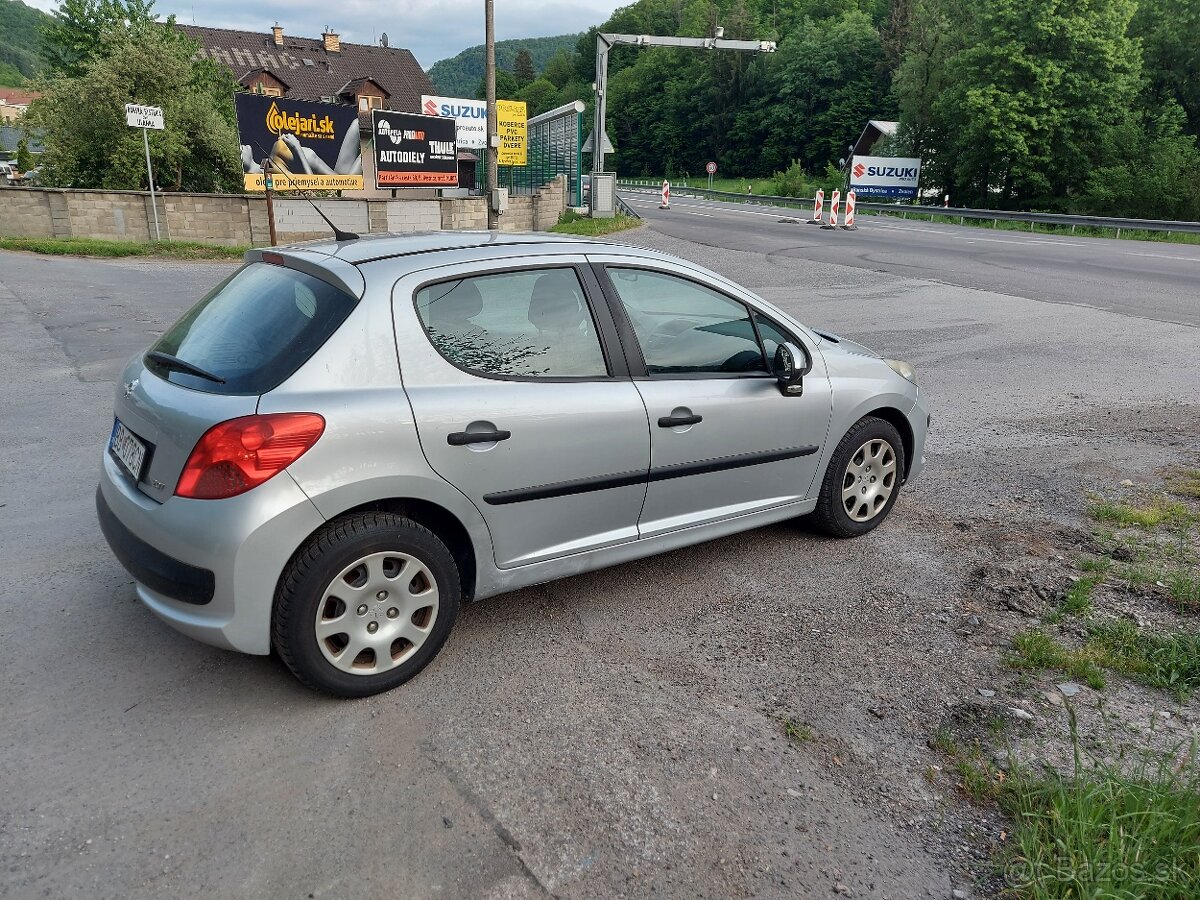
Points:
(82, 118)
(559, 69)
(24, 157)
(523, 68)
(540, 96)
(77, 33)
(506, 86)
(1170, 34)
(1033, 104)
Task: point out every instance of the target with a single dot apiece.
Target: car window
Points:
(253, 330)
(529, 324)
(686, 328)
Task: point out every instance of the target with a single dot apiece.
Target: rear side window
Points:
(528, 324)
(252, 331)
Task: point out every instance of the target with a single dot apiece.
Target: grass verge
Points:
(94, 247)
(1167, 661)
(1152, 543)
(1105, 830)
(573, 223)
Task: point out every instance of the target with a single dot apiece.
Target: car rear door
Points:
(523, 401)
(724, 440)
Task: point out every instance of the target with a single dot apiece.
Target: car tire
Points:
(375, 585)
(862, 481)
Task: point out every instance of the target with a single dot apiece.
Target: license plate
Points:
(127, 449)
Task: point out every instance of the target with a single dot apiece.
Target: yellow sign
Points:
(284, 181)
(510, 122)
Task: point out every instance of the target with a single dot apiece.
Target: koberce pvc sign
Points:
(881, 176)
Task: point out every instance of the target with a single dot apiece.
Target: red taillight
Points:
(235, 456)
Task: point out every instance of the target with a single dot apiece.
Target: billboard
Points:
(881, 176)
(414, 151)
(314, 146)
(470, 118)
(511, 126)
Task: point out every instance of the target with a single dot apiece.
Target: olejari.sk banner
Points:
(313, 146)
(470, 118)
(881, 176)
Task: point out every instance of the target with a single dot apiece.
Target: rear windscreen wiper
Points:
(182, 365)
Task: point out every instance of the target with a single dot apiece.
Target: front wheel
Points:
(365, 604)
(863, 479)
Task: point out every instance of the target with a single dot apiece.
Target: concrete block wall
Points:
(238, 220)
(464, 214)
(413, 215)
(25, 214)
(100, 214)
(211, 218)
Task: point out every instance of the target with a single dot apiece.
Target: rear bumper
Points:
(208, 568)
(150, 566)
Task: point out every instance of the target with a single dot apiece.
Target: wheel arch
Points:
(441, 521)
(899, 421)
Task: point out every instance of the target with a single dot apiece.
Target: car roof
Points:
(371, 247)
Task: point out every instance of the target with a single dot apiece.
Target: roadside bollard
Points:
(818, 208)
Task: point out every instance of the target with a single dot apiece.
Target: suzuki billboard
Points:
(470, 118)
(881, 176)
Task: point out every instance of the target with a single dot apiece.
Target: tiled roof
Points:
(21, 97)
(310, 71)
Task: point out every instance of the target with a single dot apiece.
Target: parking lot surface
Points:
(618, 733)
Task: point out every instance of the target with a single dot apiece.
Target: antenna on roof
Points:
(383, 41)
(338, 234)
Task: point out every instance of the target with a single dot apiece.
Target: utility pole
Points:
(493, 127)
(268, 187)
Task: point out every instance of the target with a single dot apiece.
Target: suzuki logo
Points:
(430, 108)
(859, 169)
(130, 387)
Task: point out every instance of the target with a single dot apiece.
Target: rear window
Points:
(252, 331)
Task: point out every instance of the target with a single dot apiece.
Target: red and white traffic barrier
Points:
(666, 195)
(835, 203)
(818, 208)
(851, 200)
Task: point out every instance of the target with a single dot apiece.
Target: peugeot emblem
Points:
(130, 386)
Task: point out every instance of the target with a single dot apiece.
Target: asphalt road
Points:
(1152, 279)
(614, 734)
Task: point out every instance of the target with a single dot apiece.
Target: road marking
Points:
(706, 215)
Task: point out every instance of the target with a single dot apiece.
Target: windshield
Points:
(252, 331)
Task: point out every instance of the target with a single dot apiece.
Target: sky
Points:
(432, 30)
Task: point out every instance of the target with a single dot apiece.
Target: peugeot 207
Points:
(344, 441)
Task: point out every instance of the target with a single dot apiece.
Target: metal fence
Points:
(555, 139)
(949, 212)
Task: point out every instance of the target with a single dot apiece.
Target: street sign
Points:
(144, 116)
(710, 168)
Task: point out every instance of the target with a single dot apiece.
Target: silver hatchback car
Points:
(343, 441)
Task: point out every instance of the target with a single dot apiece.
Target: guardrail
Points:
(961, 213)
(625, 209)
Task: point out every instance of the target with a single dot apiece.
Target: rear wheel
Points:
(863, 479)
(365, 604)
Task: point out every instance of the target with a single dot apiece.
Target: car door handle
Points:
(676, 421)
(462, 438)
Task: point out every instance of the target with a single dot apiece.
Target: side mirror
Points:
(790, 369)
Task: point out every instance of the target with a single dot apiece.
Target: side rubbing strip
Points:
(565, 488)
(663, 473)
(706, 466)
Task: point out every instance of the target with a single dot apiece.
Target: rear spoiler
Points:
(338, 272)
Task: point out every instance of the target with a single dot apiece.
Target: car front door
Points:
(725, 441)
(523, 401)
